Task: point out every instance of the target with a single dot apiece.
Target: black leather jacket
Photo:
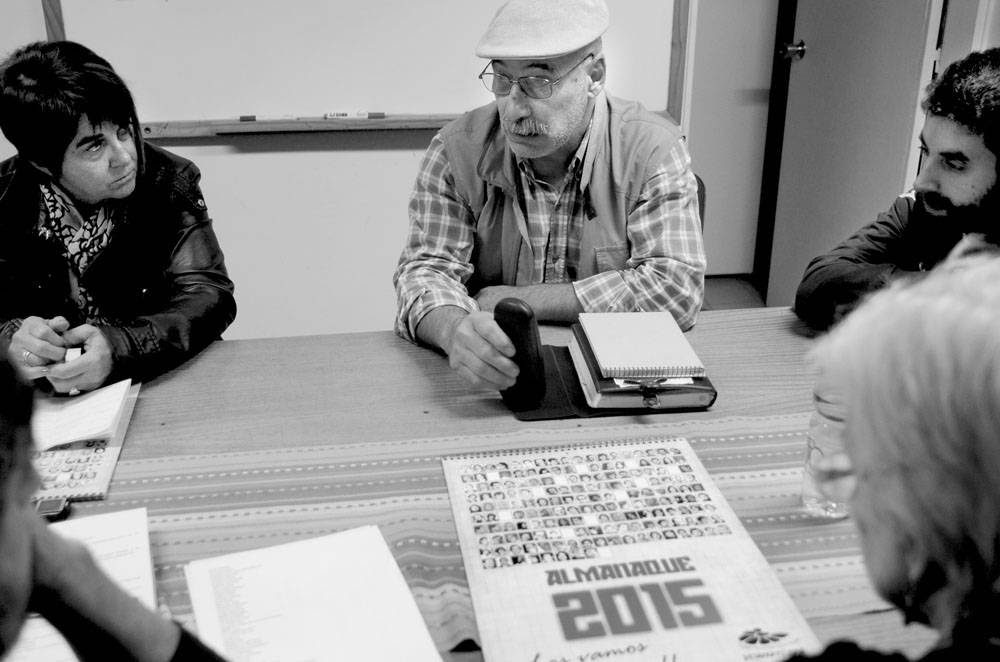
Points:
(162, 275)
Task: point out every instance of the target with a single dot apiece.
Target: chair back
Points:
(701, 200)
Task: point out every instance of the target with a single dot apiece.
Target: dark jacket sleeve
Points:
(196, 304)
(190, 649)
(834, 283)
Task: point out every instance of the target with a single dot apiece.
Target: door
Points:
(849, 134)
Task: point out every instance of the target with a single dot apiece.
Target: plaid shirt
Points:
(665, 270)
(554, 217)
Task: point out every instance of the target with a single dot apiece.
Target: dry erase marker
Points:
(261, 118)
(372, 116)
(330, 116)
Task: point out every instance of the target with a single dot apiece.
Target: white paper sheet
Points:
(59, 420)
(337, 597)
(120, 544)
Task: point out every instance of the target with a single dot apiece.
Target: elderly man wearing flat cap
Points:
(555, 193)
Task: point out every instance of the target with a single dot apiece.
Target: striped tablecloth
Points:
(207, 505)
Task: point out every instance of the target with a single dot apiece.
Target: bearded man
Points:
(952, 210)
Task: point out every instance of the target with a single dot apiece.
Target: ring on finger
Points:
(26, 357)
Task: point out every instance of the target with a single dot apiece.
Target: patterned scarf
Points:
(81, 239)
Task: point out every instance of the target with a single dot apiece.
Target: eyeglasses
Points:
(536, 87)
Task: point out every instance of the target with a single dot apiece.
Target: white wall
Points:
(729, 103)
(312, 225)
(331, 56)
(991, 36)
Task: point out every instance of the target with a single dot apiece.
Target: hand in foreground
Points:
(480, 352)
(91, 369)
(61, 566)
(37, 344)
(99, 619)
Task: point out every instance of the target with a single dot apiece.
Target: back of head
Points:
(46, 87)
(919, 367)
(968, 92)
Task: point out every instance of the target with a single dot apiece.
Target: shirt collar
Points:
(598, 128)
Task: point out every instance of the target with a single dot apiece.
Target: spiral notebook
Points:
(640, 346)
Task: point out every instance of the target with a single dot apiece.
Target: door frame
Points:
(681, 76)
(777, 106)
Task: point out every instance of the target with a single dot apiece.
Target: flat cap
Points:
(539, 29)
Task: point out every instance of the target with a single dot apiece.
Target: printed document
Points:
(337, 597)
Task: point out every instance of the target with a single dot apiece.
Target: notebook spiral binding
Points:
(653, 372)
(613, 443)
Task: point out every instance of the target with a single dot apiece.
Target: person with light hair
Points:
(918, 366)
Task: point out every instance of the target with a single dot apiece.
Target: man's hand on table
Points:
(476, 347)
(481, 353)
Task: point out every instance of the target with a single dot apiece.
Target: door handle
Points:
(793, 51)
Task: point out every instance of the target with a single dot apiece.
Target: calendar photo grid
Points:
(567, 505)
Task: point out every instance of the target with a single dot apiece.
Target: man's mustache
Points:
(527, 126)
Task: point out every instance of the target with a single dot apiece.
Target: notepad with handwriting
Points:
(640, 346)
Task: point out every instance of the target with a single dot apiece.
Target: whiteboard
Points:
(219, 59)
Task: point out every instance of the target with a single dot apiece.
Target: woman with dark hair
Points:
(58, 578)
(105, 241)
